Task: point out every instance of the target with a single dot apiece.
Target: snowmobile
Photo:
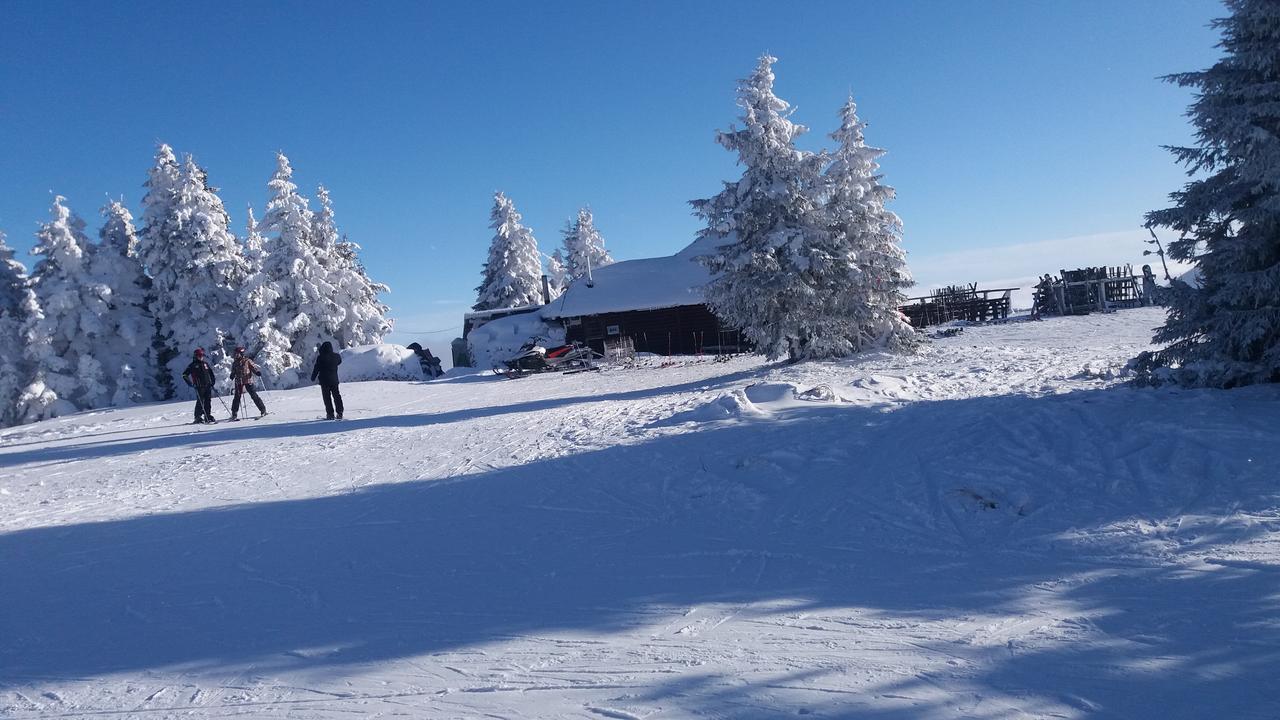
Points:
(534, 357)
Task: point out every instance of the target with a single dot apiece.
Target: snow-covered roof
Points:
(645, 284)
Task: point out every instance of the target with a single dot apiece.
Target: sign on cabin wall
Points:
(612, 330)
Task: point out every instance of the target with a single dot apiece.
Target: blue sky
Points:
(1006, 123)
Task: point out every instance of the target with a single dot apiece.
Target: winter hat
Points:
(199, 352)
(240, 350)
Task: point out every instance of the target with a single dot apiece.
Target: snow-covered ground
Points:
(995, 528)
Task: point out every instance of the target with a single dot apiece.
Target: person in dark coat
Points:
(430, 363)
(242, 372)
(326, 371)
(199, 375)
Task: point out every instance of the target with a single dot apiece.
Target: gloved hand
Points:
(258, 373)
(190, 384)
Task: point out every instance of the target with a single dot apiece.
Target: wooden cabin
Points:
(654, 303)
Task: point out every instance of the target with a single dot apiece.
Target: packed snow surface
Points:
(995, 528)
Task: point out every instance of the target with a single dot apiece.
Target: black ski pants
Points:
(332, 399)
(253, 394)
(204, 403)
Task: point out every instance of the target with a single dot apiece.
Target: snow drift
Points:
(379, 362)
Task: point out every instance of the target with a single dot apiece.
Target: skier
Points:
(200, 376)
(430, 363)
(326, 369)
(242, 371)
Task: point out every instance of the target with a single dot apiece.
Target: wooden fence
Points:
(1086, 290)
(958, 302)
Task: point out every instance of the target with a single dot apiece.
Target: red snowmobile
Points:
(534, 357)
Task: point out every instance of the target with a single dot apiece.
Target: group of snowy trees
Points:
(512, 275)
(1226, 332)
(115, 322)
(806, 259)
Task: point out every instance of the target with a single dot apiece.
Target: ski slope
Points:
(995, 528)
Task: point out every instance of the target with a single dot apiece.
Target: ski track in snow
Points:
(994, 528)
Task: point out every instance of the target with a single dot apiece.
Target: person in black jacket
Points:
(430, 363)
(200, 376)
(326, 370)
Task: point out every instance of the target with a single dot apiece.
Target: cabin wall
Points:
(683, 330)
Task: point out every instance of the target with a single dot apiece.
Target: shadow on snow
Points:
(840, 508)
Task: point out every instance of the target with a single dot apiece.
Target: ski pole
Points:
(224, 402)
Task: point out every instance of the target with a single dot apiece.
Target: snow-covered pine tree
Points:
(1227, 332)
(513, 274)
(584, 246)
(761, 230)
(16, 297)
(125, 349)
(366, 321)
(252, 243)
(65, 338)
(557, 274)
(859, 267)
(324, 231)
(160, 258)
(293, 307)
(362, 317)
(37, 400)
(258, 297)
(197, 268)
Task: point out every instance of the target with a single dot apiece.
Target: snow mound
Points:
(379, 362)
(819, 393)
(880, 389)
(756, 401)
(500, 339)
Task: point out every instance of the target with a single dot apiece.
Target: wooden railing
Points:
(958, 302)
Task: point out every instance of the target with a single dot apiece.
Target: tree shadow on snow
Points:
(90, 447)
(944, 512)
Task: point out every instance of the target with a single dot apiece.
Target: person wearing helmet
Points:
(199, 375)
(242, 371)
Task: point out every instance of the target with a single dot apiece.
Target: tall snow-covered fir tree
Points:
(858, 267)
(557, 274)
(16, 299)
(197, 268)
(363, 318)
(125, 348)
(293, 307)
(584, 246)
(761, 230)
(66, 338)
(1227, 332)
(252, 243)
(513, 273)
